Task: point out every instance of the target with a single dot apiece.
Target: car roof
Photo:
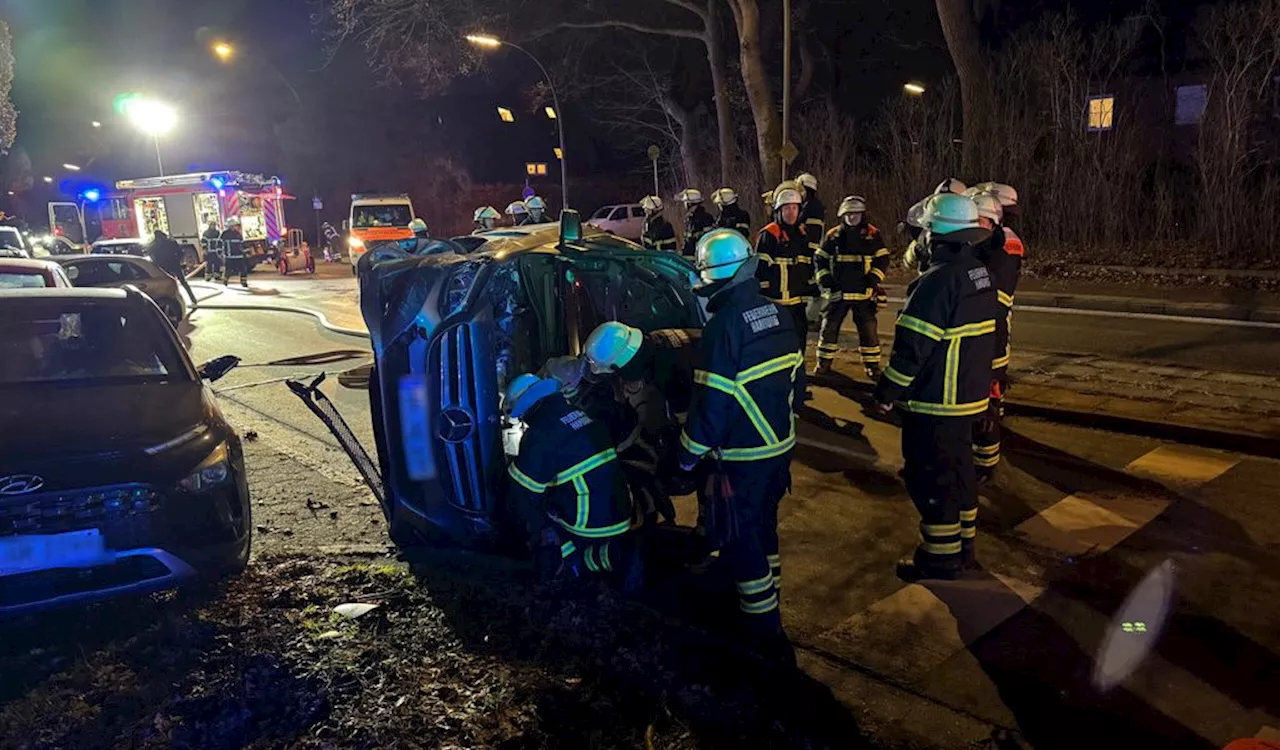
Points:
(26, 264)
(544, 238)
(69, 293)
(64, 259)
(120, 241)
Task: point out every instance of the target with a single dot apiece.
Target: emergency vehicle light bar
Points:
(240, 180)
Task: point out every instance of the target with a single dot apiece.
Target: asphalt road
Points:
(1028, 648)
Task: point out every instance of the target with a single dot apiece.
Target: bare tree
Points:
(977, 95)
(755, 79)
(8, 115)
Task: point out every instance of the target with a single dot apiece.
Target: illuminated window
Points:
(1190, 104)
(535, 168)
(559, 153)
(551, 112)
(506, 115)
(1102, 110)
(542, 169)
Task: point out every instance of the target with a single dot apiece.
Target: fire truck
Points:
(185, 205)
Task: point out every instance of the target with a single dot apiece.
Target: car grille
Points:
(55, 512)
(461, 462)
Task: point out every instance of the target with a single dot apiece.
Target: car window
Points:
(11, 237)
(139, 272)
(22, 280)
(637, 212)
(619, 214)
(629, 292)
(389, 215)
(86, 274)
(603, 213)
(58, 340)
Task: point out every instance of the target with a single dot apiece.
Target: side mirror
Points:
(215, 368)
(570, 226)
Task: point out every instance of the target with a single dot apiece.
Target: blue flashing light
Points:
(92, 195)
(216, 182)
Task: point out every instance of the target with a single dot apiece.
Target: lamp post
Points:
(225, 52)
(153, 118)
(493, 42)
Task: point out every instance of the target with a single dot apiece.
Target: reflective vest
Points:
(852, 261)
(786, 264)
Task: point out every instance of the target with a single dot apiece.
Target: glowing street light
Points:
(224, 51)
(914, 89)
(506, 115)
(72, 167)
(48, 180)
(488, 41)
(96, 124)
(153, 118)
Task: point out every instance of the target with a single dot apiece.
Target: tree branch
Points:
(612, 24)
(700, 12)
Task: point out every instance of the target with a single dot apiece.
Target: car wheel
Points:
(171, 308)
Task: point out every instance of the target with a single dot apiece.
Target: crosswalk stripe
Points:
(1179, 466)
(1077, 524)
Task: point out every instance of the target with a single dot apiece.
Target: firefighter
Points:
(786, 263)
(849, 268)
(419, 229)
(732, 216)
(658, 234)
(519, 213)
(951, 185)
(939, 374)
(1003, 258)
(166, 254)
(485, 218)
(568, 486)
(653, 375)
(233, 248)
(537, 210)
(697, 221)
(742, 418)
(212, 251)
(812, 212)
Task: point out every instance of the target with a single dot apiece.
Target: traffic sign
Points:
(317, 204)
(788, 152)
(654, 153)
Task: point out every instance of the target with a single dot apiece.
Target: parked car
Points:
(451, 329)
(118, 271)
(49, 245)
(28, 273)
(13, 244)
(622, 220)
(118, 472)
(122, 246)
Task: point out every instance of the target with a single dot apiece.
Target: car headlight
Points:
(214, 470)
(355, 242)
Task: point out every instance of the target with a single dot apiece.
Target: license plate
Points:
(19, 554)
(415, 433)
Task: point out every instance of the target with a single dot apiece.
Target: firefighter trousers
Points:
(212, 266)
(618, 559)
(864, 317)
(238, 265)
(986, 432)
(942, 482)
(752, 554)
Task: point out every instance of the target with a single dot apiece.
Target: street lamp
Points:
(492, 42)
(96, 124)
(224, 51)
(72, 167)
(153, 118)
(48, 180)
(914, 89)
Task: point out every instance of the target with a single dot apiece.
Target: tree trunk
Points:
(759, 94)
(688, 133)
(720, 82)
(977, 96)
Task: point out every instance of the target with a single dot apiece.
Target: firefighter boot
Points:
(968, 558)
(823, 368)
(922, 566)
(873, 372)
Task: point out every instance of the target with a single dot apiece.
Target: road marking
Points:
(1077, 524)
(1179, 466)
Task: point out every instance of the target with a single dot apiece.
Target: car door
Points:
(635, 224)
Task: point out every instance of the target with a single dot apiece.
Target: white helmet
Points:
(535, 204)
(915, 214)
(486, 212)
(808, 181)
(724, 196)
(651, 203)
(517, 208)
(720, 253)
(951, 185)
(611, 346)
(1004, 193)
(852, 204)
(989, 206)
(767, 197)
(784, 194)
(234, 221)
(690, 196)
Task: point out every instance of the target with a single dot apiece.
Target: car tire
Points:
(171, 308)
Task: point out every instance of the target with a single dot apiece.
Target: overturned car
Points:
(450, 328)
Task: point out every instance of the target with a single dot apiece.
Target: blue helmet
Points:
(525, 391)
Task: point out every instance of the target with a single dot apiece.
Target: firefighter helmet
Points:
(950, 185)
(807, 181)
(486, 212)
(953, 218)
(690, 196)
(721, 252)
(535, 204)
(767, 197)
(784, 194)
(525, 391)
(724, 197)
(611, 347)
(234, 221)
(517, 208)
(651, 204)
(418, 226)
(915, 214)
(989, 206)
(1006, 194)
(852, 204)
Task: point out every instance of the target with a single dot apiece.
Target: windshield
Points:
(391, 215)
(10, 237)
(66, 340)
(22, 280)
(603, 213)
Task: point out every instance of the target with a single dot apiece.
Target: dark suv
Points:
(451, 329)
(118, 473)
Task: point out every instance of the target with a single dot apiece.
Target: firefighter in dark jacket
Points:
(567, 485)
(849, 268)
(1002, 255)
(658, 234)
(233, 250)
(939, 374)
(167, 254)
(652, 375)
(813, 214)
(742, 418)
(697, 221)
(786, 260)
(732, 216)
(212, 251)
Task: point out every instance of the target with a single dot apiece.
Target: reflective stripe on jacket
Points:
(851, 261)
(945, 338)
(786, 264)
(696, 223)
(658, 234)
(735, 217)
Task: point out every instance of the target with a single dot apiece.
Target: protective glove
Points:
(880, 297)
